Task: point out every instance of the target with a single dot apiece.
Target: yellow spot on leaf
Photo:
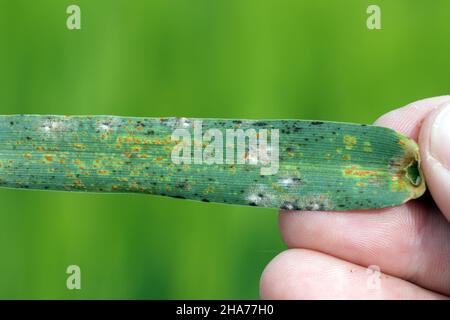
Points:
(79, 146)
(349, 141)
(367, 147)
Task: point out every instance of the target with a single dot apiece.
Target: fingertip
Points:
(308, 274)
(408, 119)
(434, 141)
(272, 282)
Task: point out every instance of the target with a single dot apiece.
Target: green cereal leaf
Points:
(289, 164)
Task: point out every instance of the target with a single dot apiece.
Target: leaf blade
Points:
(322, 165)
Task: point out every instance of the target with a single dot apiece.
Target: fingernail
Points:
(440, 136)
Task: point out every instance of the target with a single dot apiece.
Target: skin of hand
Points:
(393, 253)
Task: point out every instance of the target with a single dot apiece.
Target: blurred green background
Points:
(311, 59)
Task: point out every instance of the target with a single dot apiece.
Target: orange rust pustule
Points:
(359, 172)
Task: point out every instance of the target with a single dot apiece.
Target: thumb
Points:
(434, 141)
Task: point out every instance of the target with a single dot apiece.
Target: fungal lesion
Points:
(349, 141)
(319, 202)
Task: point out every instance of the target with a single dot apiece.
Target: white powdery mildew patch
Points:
(104, 127)
(286, 181)
(54, 125)
(107, 125)
(175, 123)
(261, 195)
(315, 203)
